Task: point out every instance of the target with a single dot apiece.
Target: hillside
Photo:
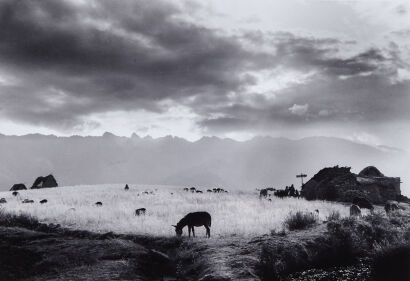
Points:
(210, 161)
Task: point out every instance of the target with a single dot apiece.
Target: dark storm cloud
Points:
(71, 60)
(361, 88)
(127, 55)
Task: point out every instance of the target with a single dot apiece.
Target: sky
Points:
(228, 68)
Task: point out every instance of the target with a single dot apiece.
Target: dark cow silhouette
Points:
(391, 207)
(192, 189)
(362, 203)
(126, 187)
(263, 193)
(43, 201)
(355, 211)
(194, 219)
(3, 200)
(98, 204)
(15, 193)
(199, 191)
(140, 211)
(186, 189)
(28, 201)
(219, 190)
(209, 190)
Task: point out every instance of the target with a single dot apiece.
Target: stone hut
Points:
(18, 186)
(44, 182)
(340, 184)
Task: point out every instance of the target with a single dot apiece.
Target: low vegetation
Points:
(301, 220)
(343, 249)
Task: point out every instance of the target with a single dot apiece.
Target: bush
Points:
(333, 216)
(392, 263)
(300, 220)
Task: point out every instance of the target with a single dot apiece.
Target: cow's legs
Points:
(189, 231)
(208, 231)
(193, 231)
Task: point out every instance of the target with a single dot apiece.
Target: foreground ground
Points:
(30, 251)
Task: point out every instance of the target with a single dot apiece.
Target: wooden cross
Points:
(301, 176)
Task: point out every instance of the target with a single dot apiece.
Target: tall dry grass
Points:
(235, 213)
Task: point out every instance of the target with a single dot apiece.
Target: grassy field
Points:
(239, 213)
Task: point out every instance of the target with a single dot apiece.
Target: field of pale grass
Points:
(239, 213)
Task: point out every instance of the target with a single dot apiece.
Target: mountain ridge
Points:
(209, 161)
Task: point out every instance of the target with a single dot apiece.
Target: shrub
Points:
(333, 216)
(392, 263)
(300, 220)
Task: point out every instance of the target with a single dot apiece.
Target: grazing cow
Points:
(15, 193)
(194, 219)
(192, 189)
(145, 192)
(199, 191)
(3, 200)
(355, 211)
(391, 207)
(362, 203)
(140, 211)
(186, 189)
(43, 201)
(126, 187)
(263, 193)
(98, 204)
(28, 201)
(209, 190)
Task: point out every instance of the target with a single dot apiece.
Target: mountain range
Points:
(208, 162)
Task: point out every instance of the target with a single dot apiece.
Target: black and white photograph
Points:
(205, 140)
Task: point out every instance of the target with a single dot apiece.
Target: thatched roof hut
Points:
(45, 182)
(18, 186)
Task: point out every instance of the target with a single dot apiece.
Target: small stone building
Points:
(44, 182)
(340, 184)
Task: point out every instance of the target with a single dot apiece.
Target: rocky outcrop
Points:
(340, 184)
(44, 182)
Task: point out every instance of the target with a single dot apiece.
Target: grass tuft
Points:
(300, 220)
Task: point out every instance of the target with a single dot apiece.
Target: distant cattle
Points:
(27, 201)
(3, 200)
(198, 191)
(126, 187)
(391, 207)
(194, 219)
(145, 192)
(186, 189)
(362, 203)
(98, 204)
(192, 189)
(263, 193)
(355, 211)
(140, 211)
(209, 190)
(43, 201)
(15, 193)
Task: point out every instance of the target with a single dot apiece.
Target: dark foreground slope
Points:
(342, 249)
